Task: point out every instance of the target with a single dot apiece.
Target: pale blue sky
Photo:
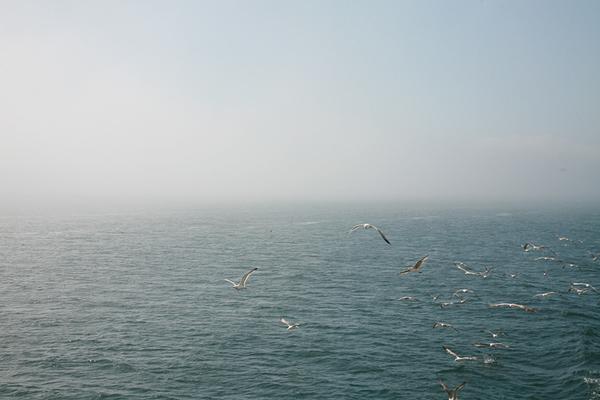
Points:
(324, 100)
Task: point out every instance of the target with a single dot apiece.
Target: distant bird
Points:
(578, 290)
(457, 357)
(586, 285)
(493, 345)
(443, 325)
(369, 226)
(513, 275)
(546, 294)
(416, 267)
(464, 268)
(513, 305)
(290, 326)
(452, 393)
(595, 257)
(545, 258)
(407, 298)
(496, 334)
(451, 303)
(563, 238)
(460, 292)
(530, 246)
(242, 283)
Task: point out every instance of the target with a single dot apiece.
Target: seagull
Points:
(452, 393)
(546, 294)
(242, 283)
(290, 326)
(561, 238)
(451, 303)
(545, 258)
(416, 267)
(493, 345)
(586, 285)
(577, 290)
(457, 357)
(513, 305)
(369, 226)
(459, 292)
(408, 298)
(464, 268)
(496, 334)
(530, 246)
(443, 325)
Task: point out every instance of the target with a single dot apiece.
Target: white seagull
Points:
(493, 345)
(416, 267)
(290, 326)
(443, 325)
(242, 283)
(546, 294)
(452, 393)
(513, 305)
(369, 226)
(457, 357)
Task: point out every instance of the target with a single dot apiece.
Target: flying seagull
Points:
(242, 283)
(464, 268)
(444, 325)
(457, 357)
(369, 226)
(586, 285)
(530, 246)
(513, 305)
(496, 334)
(546, 294)
(452, 393)
(416, 267)
(493, 345)
(290, 326)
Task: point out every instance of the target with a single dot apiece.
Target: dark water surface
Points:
(135, 306)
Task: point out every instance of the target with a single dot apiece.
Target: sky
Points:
(279, 101)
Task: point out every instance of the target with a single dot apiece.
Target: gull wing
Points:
(285, 321)
(246, 276)
(460, 387)
(444, 387)
(355, 227)
(230, 281)
(453, 354)
(420, 262)
(407, 270)
(462, 267)
(381, 234)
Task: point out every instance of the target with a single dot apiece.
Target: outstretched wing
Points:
(453, 354)
(246, 276)
(285, 321)
(355, 227)
(420, 262)
(230, 281)
(406, 270)
(444, 387)
(460, 387)
(382, 235)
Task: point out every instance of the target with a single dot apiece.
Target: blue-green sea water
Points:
(135, 306)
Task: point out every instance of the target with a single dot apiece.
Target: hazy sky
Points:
(305, 100)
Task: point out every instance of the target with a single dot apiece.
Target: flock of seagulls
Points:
(579, 288)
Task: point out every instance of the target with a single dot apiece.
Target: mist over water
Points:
(135, 306)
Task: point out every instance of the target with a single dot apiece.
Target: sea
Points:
(135, 305)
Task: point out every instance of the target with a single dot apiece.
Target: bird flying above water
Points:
(416, 267)
(452, 393)
(369, 226)
(242, 283)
